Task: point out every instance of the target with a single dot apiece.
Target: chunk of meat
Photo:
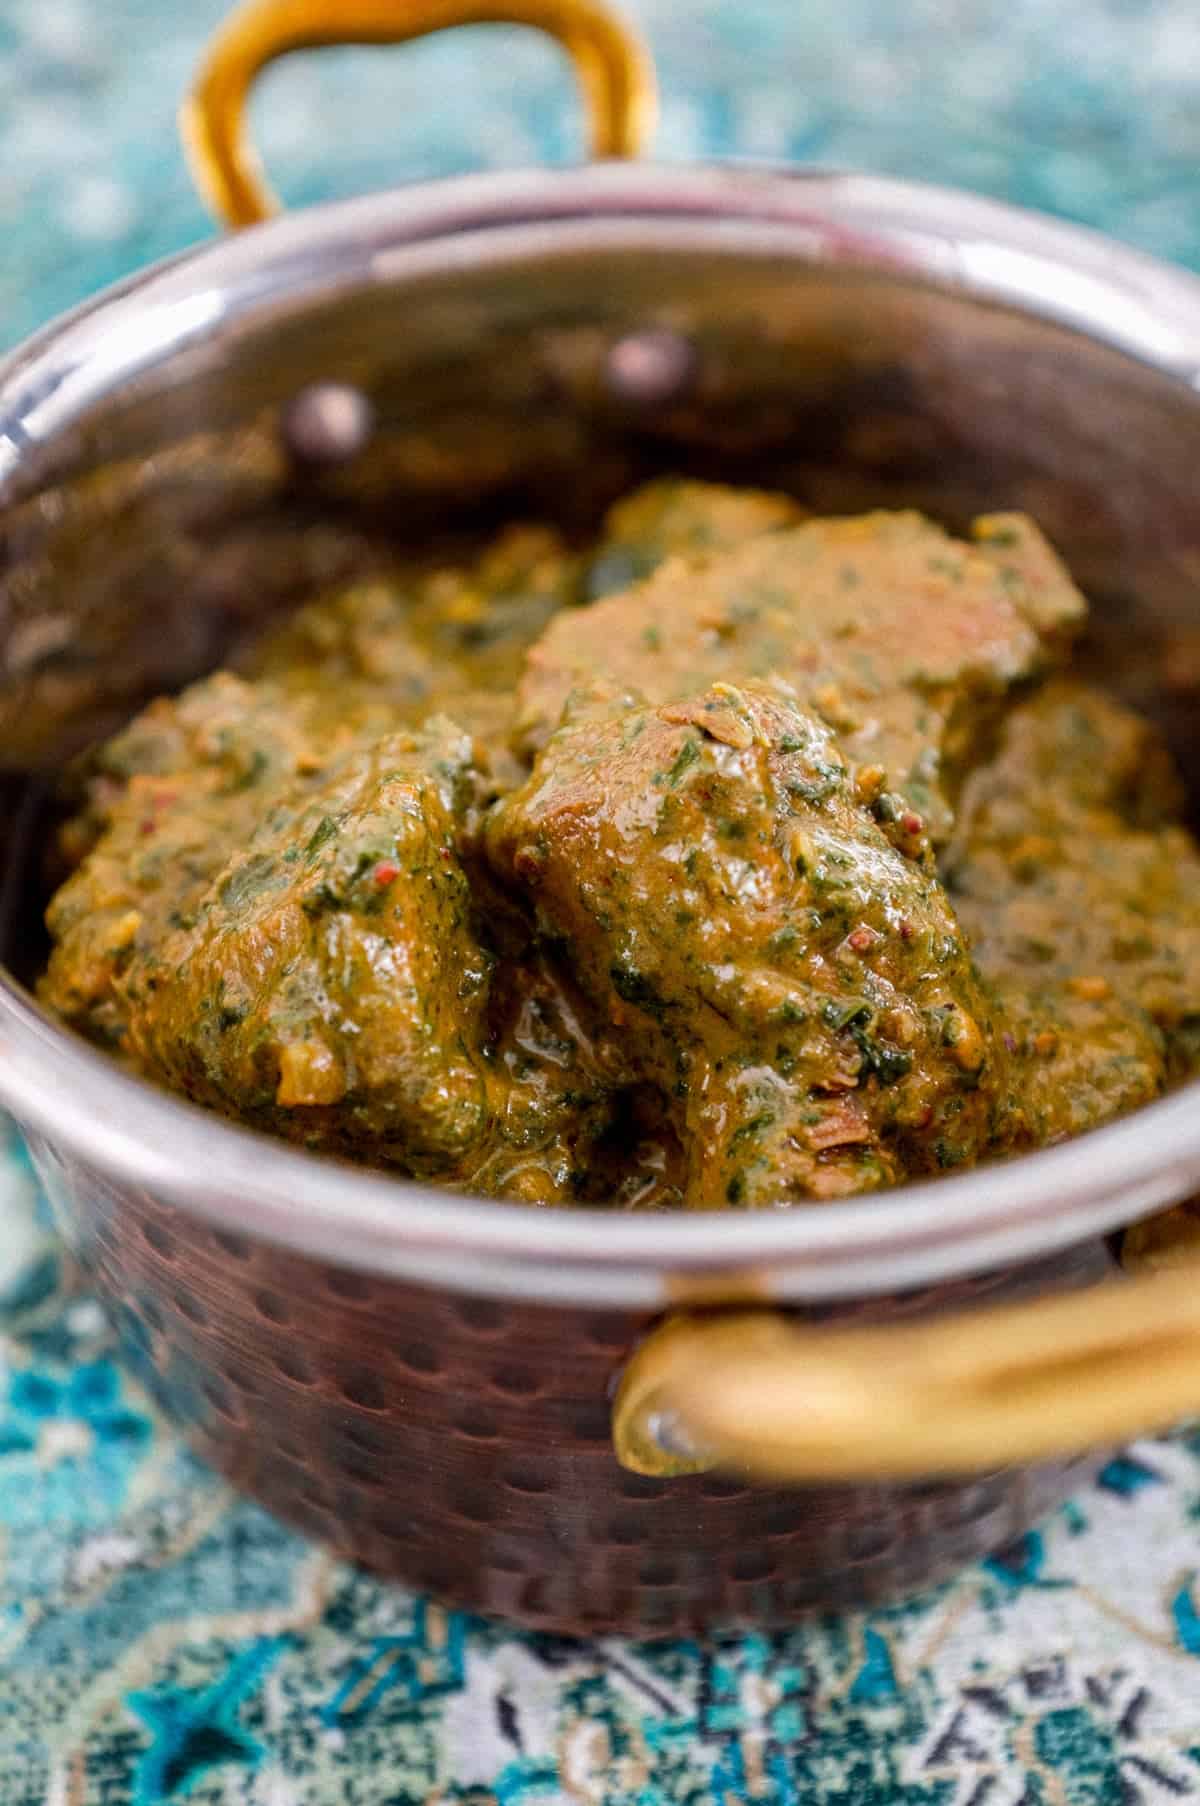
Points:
(164, 805)
(674, 517)
(1081, 899)
(1030, 568)
(324, 978)
(270, 914)
(742, 911)
(897, 635)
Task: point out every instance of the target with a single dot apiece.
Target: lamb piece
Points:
(674, 517)
(896, 635)
(320, 977)
(774, 952)
(1081, 899)
(270, 914)
(162, 807)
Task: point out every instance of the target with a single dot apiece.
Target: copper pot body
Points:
(426, 1382)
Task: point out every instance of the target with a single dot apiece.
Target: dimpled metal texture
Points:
(461, 1444)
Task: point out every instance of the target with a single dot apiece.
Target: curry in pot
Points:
(741, 860)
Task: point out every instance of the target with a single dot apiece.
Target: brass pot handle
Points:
(754, 1391)
(611, 63)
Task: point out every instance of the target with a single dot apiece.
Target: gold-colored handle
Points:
(612, 65)
(778, 1401)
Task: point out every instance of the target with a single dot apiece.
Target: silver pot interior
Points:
(834, 345)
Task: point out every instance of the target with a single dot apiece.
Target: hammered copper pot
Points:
(432, 1383)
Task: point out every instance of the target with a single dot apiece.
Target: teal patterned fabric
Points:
(162, 1640)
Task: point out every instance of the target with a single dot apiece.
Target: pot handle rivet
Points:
(651, 368)
(327, 423)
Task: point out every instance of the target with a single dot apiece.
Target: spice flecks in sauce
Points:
(769, 877)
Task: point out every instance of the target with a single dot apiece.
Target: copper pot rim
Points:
(124, 1130)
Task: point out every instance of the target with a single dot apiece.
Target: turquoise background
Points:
(1088, 108)
(161, 1639)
